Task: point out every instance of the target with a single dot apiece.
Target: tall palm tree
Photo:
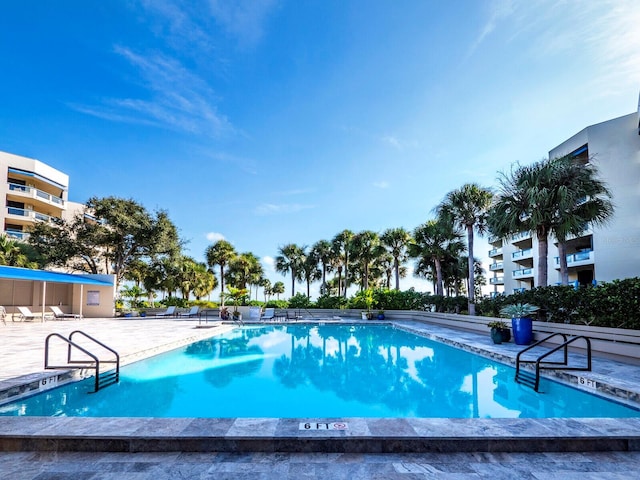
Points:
(341, 243)
(433, 242)
(467, 207)
(366, 248)
(278, 289)
(310, 272)
(397, 241)
(290, 261)
(244, 270)
(265, 283)
(221, 254)
(542, 199)
(205, 281)
(321, 253)
(584, 200)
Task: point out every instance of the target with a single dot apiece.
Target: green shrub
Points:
(277, 304)
(299, 300)
(328, 301)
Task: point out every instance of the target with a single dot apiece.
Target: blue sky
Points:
(268, 122)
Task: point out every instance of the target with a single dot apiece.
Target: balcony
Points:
(18, 234)
(518, 237)
(495, 252)
(521, 254)
(584, 257)
(28, 215)
(25, 191)
(496, 266)
(523, 273)
(496, 280)
(518, 290)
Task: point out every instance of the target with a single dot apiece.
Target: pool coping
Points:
(361, 435)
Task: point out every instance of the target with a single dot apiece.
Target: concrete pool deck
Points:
(23, 349)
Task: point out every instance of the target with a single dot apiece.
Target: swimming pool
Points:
(318, 371)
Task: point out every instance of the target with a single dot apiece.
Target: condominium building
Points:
(599, 254)
(33, 191)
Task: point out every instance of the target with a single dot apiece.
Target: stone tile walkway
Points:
(296, 466)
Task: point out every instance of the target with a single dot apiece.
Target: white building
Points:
(600, 254)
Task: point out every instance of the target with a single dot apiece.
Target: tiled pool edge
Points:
(365, 435)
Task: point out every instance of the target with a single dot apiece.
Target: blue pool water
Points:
(308, 371)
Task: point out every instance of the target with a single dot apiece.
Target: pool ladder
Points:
(528, 378)
(102, 379)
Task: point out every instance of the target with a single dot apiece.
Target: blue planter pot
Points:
(522, 330)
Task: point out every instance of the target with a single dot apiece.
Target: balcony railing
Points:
(583, 256)
(35, 193)
(19, 234)
(496, 280)
(520, 236)
(528, 252)
(495, 252)
(518, 290)
(24, 212)
(523, 272)
(496, 266)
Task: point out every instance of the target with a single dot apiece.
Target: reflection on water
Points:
(318, 371)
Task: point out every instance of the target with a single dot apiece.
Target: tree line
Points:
(560, 197)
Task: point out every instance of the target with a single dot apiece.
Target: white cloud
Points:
(382, 185)
(176, 98)
(274, 209)
(269, 264)
(214, 236)
(499, 11)
(243, 19)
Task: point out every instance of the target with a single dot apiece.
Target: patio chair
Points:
(26, 314)
(269, 314)
(191, 313)
(60, 315)
(170, 312)
(3, 315)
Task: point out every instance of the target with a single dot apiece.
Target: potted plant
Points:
(224, 313)
(521, 322)
(500, 332)
(237, 295)
(380, 314)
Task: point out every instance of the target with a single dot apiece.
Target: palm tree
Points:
(434, 241)
(542, 199)
(12, 254)
(221, 254)
(366, 248)
(341, 244)
(205, 281)
(309, 272)
(265, 283)
(584, 200)
(244, 270)
(397, 241)
(290, 260)
(278, 289)
(467, 207)
(321, 253)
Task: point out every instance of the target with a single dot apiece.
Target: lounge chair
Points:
(191, 313)
(269, 314)
(60, 315)
(26, 314)
(170, 312)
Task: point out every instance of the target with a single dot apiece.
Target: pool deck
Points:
(408, 448)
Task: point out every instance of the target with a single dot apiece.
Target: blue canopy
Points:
(16, 273)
